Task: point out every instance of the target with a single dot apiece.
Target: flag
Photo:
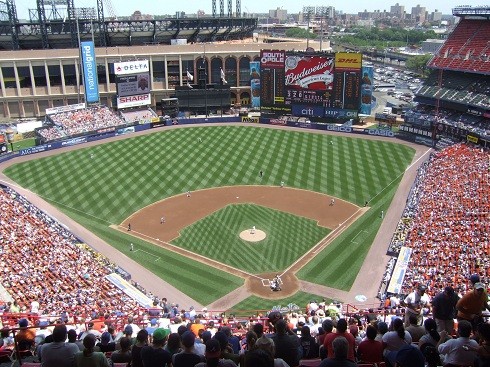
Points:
(190, 86)
(223, 77)
(189, 76)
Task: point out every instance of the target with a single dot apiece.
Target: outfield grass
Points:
(127, 175)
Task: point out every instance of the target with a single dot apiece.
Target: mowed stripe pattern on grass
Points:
(217, 237)
(124, 176)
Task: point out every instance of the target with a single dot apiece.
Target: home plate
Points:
(237, 197)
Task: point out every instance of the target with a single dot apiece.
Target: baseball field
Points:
(318, 226)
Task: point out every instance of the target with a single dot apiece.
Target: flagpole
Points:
(205, 82)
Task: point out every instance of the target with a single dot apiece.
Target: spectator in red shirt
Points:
(341, 331)
(370, 350)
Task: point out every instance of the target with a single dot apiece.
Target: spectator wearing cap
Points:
(475, 278)
(155, 355)
(444, 309)
(123, 355)
(471, 305)
(213, 356)
(153, 326)
(341, 331)
(460, 351)
(25, 337)
(187, 358)
(106, 344)
(407, 356)
(416, 303)
(58, 353)
(141, 342)
(90, 330)
(89, 357)
(340, 347)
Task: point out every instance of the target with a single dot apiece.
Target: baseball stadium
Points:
(174, 176)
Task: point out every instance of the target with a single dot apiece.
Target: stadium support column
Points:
(13, 21)
(72, 20)
(221, 8)
(230, 8)
(41, 13)
(102, 25)
(238, 7)
(214, 8)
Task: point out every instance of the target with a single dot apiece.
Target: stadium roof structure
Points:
(467, 10)
(59, 33)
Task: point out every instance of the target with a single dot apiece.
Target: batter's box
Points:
(266, 282)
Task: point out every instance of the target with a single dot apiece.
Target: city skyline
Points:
(248, 6)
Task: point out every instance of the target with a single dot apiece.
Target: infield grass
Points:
(217, 237)
(127, 175)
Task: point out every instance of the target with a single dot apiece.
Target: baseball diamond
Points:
(138, 180)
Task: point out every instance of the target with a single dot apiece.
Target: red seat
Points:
(310, 362)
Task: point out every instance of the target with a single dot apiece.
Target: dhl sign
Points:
(348, 60)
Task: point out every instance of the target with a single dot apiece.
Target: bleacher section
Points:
(78, 122)
(467, 88)
(138, 115)
(466, 49)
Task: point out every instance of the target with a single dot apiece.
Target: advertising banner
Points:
(255, 83)
(307, 110)
(338, 113)
(308, 79)
(131, 67)
(367, 89)
(309, 72)
(90, 80)
(348, 60)
(133, 101)
(70, 107)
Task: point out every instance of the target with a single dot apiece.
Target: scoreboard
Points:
(272, 79)
(347, 80)
(310, 84)
(347, 89)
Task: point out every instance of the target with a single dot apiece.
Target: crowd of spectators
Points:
(446, 221)
(70, 123)
(43, 262)
(138, 115)
(313, 337)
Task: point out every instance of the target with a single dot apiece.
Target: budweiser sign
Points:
(309, 72)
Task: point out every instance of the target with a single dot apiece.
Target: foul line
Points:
(146, 252)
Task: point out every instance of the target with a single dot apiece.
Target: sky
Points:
(159, 7)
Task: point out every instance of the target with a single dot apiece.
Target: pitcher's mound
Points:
(256, 236)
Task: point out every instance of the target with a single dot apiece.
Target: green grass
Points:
(127, 175)
(254, 305)
(216, 235)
